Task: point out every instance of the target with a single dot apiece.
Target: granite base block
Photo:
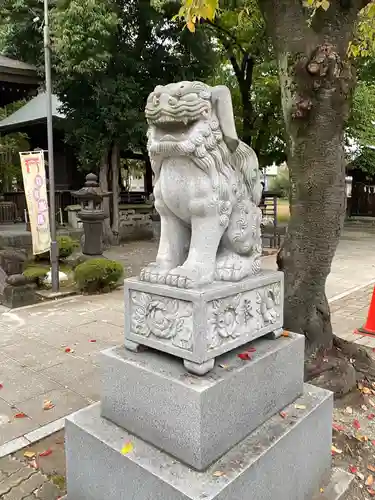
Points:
(198, 419)
(338, 488)
(200, 325)
(285, 458)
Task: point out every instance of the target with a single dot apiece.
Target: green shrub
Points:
(36, 274)
(98, 275)
(66, 246)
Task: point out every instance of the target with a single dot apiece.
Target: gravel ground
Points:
(354, 439)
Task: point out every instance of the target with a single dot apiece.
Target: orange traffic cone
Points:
(369, 327)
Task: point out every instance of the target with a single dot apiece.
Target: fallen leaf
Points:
(353, 469)
(321, 490)
(244, 356)
(369, 480)
(338, 427)
(300, 407)
(127, 448)
(371, 416)
(48, 405)
(29, 454)
(1, 386)
(371, 492)
(283, 414)
(349, 410)
(373, 442)
(356, 424)
(361, 437)
(285, 333)
(335, 450)
(366, 390)
(92, 340)
(20, 415)
(371, 468)
(218, 473)
(68, 349)
(224, 366)
(46, 453)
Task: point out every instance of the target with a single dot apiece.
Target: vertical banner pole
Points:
(51, 169)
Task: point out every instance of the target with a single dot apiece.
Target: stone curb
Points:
(31, 437)
(342, 295)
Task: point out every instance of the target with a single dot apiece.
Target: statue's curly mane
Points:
(207, 149)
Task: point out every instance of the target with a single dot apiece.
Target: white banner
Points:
(34, 181)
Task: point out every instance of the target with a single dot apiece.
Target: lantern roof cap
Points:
(91, 190)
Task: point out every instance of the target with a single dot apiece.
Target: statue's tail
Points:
(245, 161)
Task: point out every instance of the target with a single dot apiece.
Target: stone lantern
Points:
(92, 215)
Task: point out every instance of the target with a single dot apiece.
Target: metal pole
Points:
(51, 168)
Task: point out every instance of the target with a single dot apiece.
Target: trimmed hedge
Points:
(66, 246)
(98, 275)
(36, 274)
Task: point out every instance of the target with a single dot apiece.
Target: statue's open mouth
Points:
(173, 130)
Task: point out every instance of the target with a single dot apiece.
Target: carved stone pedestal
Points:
(199, 325)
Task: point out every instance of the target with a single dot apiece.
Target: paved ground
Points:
(354, 262)
(350, 313)
(18, 481)
(353, 266)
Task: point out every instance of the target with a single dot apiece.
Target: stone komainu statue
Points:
(207, 188)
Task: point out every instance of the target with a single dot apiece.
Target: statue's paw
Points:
(178, 278)
(153, 274)
(186, 277)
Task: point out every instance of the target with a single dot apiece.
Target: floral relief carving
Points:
(163, 318)
(241, 314)
(224, 320)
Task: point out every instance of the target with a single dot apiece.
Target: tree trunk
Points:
(115, 167)
(316, 83)
(103, 182)
(148, 176)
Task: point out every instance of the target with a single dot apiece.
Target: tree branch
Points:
(225, 32)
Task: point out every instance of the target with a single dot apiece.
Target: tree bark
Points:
(115, 171)
(316, 82)
(148, 176)
(103, 182)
